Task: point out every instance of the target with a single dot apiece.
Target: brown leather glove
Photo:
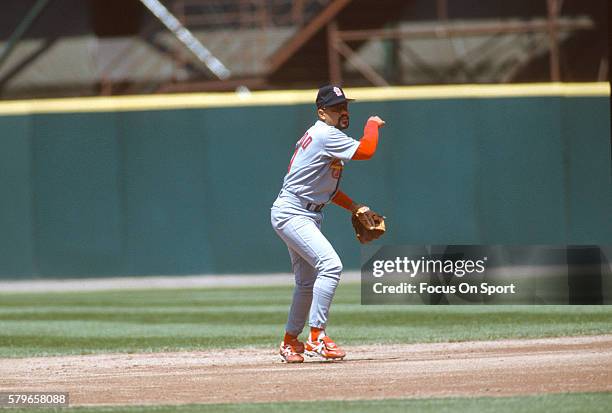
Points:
(368, 224)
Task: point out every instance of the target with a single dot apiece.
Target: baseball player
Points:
(312, 181)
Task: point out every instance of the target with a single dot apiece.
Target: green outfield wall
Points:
(188, 190)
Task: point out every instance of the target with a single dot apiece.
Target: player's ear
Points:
(321, 114)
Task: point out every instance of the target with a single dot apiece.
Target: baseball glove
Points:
(368, 224)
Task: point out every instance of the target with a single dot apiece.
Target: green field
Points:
(558, 403)
(187, 319)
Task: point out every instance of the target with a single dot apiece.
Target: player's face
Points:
(337, 115)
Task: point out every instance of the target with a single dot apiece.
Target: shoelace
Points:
(288, 349)
(325, 343)
(329, 343)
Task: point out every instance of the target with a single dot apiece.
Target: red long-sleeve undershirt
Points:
(365, 150)
(342, 200)
(368, 143)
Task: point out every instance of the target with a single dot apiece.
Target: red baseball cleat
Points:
(291, 352)
(324, 347)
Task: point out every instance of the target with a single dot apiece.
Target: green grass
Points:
(160, 320)
(558, 403)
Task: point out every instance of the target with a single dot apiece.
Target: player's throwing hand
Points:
(378, 120)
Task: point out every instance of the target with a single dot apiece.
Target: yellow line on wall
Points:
(293, 97)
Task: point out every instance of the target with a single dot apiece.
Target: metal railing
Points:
(243, 14)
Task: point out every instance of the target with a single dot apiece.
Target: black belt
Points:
(314, 207)
(310, 206)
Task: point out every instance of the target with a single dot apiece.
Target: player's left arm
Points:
(368, 224)
(343, 200)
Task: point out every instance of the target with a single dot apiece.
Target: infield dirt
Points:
(485, 368)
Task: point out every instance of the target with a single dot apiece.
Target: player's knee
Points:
(337, 268)
(305, 284)
(331, 266)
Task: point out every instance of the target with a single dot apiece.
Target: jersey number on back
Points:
(302, 143)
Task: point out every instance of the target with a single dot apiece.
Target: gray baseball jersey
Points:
(316, 166)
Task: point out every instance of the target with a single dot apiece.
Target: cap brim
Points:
(338, 101)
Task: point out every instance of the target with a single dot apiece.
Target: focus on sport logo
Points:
(337, 91)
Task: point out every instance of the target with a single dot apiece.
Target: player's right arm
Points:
(369, 141)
